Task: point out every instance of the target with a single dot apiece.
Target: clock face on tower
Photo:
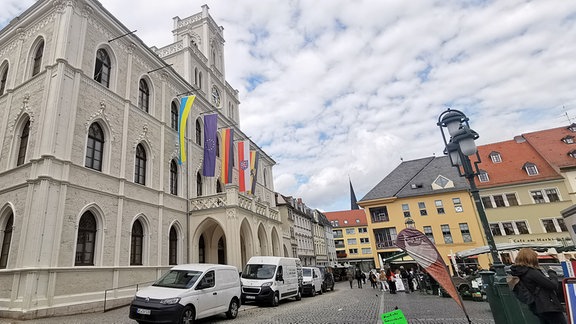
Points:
(215, 96)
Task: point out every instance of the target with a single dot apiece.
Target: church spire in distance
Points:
(353, 201)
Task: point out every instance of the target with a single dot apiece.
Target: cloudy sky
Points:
(333, 90)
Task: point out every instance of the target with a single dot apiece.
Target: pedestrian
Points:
(383, 280)
(372, 278)
(405, 279)
(547, 306)
(359, 277)
(399, 282)
(391, 281)
(412, 280)
(350, 275)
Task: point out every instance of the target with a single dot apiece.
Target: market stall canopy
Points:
(508, 246)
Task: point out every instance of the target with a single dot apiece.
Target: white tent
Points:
(508, 246)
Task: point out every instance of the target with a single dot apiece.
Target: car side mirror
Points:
(279, 277)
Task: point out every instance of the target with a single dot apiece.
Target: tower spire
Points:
(353, 201)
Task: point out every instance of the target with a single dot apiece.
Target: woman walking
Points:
(383, 280)
(350, 275)
(391, 281)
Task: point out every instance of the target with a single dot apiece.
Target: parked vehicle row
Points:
(194, 291)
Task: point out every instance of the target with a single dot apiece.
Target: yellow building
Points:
(428, 194)
(351, 238)
(524, 194)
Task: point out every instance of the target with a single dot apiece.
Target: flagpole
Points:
(187, 203)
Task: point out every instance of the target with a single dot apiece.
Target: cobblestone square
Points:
(343, 305)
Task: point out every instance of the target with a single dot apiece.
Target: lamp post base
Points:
(505, 307)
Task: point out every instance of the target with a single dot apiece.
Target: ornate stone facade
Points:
(91, 199)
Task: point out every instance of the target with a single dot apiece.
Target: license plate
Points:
(143, 311)
(250, 297)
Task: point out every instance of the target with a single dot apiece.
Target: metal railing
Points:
(137, 286)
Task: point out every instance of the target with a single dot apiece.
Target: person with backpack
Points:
(535, 289)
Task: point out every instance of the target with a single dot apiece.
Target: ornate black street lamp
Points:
(459, 146)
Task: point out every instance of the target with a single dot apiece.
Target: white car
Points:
(189, 292)
(311, 281)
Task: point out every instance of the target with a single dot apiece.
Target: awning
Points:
(546, 257)
(467, 257)
(394, 257)
(404, 262)
(507, 246)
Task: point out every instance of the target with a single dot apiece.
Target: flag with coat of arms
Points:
(244, 166)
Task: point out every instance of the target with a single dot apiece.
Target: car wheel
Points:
(187, 316)
(321, 291)
(233, 309)
(275, 300)
(323, 288)
(299, 295)
(332, 288)
(313, 293)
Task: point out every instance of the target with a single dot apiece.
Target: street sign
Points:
(395, 317)
(569, 287)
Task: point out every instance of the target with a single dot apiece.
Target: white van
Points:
(270, 279)
(312, 281)
(189, 292)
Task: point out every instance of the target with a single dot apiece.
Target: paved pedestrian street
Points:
(343, 305)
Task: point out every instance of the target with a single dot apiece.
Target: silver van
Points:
(189, 292)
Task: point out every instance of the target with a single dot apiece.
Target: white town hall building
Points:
(92, 197)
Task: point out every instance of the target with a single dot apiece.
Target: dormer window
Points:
(572, 128)
(495, 157)
(572, 154)
(530, 168)
(483, 176)
(441, 181)
(569, 139)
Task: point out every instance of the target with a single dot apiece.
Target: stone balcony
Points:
(232, 198)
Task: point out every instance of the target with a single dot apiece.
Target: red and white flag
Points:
(424, 252)
(244, 165)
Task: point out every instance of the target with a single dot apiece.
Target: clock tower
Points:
(198, 55)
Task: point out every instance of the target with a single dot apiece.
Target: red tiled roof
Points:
(550, 145)
(514, 155)
(350, 215)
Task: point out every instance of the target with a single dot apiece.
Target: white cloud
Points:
(347, 88)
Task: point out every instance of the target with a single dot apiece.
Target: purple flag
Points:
(210, 130)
